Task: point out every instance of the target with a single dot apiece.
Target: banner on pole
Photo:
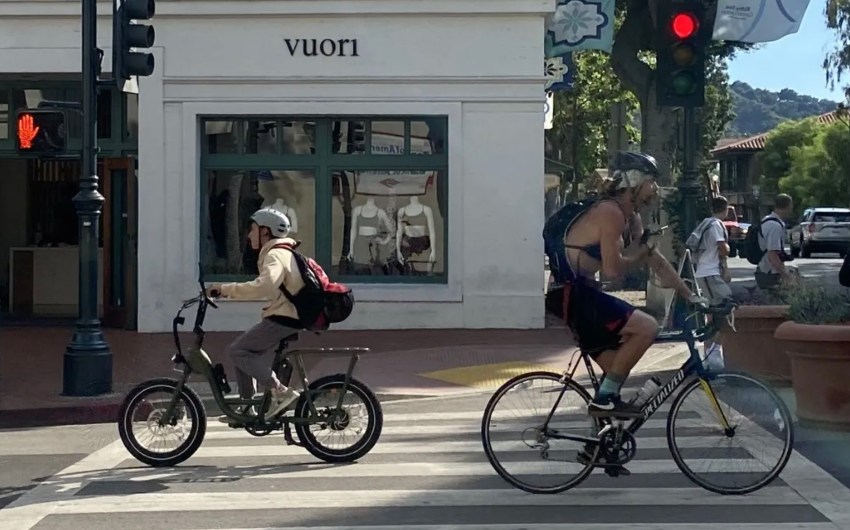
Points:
(580, 25)
(758, 20)
(558, 72)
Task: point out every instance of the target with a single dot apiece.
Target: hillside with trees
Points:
(757, 110)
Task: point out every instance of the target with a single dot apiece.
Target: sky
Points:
(768, 66)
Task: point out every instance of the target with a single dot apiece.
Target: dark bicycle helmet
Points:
(626, 160)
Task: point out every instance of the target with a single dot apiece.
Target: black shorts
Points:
(595, 317)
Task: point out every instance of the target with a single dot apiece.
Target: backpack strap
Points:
(301, 267)
(766, 219)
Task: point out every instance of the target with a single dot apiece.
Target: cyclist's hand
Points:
(698, 300)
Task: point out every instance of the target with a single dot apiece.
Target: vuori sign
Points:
(324, 47)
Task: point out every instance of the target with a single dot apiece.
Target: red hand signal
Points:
(27, 131)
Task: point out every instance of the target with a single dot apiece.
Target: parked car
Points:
(821, 230)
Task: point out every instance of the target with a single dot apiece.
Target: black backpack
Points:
(752, 249)
(553, 237)
(320, 302)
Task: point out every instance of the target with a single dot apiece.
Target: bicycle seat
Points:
(289, 338)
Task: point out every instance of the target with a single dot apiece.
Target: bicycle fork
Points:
(715, 404)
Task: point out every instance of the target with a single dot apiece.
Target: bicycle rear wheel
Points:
(730, 407)
(521, 450)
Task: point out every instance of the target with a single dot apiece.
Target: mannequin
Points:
(281, 206)
(365, 223)
(415, 231)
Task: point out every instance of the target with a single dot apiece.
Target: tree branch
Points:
(634, 74)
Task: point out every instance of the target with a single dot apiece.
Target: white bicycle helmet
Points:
(633, 169)
(277, 222)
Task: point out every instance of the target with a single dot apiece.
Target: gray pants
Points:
(715, 289)
(252, 354)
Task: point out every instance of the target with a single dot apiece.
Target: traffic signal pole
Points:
(689, 188)
(88, 359)
(681, 41)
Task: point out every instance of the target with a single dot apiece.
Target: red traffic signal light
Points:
(684, 25)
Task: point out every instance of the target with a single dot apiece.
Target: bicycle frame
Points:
(196, 360)
(693, 365)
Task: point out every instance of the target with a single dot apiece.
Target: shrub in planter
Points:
(816, 338)
(751, 346)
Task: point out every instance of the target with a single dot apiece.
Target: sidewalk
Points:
(402, 363)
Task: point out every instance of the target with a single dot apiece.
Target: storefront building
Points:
(404, 139)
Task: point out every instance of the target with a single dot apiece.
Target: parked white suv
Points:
(821, 230)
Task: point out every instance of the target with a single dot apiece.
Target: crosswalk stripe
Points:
(429, 470)
(213, 501)
(480, 469)
(218, 433)
(229, 451)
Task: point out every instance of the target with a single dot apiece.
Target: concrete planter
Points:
(753, 348)
(820, 363)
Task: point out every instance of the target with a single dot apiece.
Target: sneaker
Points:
(611, 406)
(281, 399)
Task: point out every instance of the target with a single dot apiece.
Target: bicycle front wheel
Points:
(731, 434)
(524, 448)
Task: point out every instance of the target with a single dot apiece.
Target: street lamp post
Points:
(88, 359)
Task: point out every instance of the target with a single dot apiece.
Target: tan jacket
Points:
(275, 266)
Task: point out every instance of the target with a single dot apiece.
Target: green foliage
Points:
(761, 297)
(814, 304)
(758, 110)
(775, 159)
(819, 172)
(837, 62)
(717, 112)
(582, 116)
(674, 206)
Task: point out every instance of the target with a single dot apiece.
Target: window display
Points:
(232, 196)
(396, 228)
(380, 213)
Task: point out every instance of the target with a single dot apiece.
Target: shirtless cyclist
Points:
(614, 333)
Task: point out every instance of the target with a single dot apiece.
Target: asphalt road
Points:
(428, 472)
(824, 266)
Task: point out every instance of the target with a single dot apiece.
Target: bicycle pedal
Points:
(614, 470)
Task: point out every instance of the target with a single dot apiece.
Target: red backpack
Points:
(320, 302)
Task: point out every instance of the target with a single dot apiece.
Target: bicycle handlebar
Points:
(720, 309)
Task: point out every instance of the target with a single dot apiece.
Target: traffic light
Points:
(40, 132)
(358, 137)
(680, 53)
(128, 35)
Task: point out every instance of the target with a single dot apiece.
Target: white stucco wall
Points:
(477, 61)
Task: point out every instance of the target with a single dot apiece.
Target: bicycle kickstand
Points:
(287, 435)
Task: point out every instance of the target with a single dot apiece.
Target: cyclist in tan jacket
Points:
(251, 352)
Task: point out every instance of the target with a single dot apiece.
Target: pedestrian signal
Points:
(40, 132)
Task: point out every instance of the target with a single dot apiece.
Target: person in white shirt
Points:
(771, 269)
(712, 272)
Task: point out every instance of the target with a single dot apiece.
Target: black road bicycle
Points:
(610, 444)
(179, 413)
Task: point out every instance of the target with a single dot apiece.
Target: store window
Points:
(367, 196)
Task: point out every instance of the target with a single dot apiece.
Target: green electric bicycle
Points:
(178, 414)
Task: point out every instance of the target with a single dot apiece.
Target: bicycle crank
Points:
(618, 447)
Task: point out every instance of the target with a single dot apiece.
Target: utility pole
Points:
(88, 359)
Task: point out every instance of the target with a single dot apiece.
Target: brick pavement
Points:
(402, 362)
